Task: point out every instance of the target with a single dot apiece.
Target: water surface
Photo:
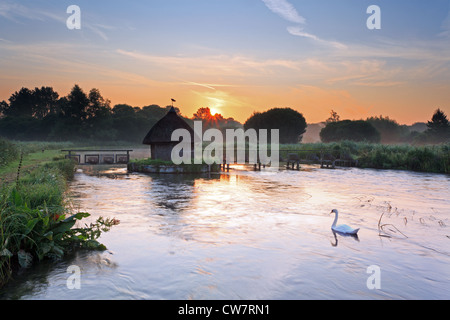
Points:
(256, 235)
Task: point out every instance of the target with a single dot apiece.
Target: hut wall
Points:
(163, 151)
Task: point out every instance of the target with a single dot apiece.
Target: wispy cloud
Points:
(17, 13)
(285, 10)
(288, 12)
(225, 65)
(298, 31)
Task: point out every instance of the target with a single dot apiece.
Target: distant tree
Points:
(77, 105)
(291, 123)
(21, 104)
(203, 114)
(350, 130)
(129, 126)
(439, 127)
(99, 122)
(216, 121)
(3, 107)
(45, 102)
(98, 106)
(334, 117)
(390, 131)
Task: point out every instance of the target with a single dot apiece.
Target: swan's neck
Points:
(335, 220)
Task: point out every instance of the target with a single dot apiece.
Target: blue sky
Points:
(237, 56)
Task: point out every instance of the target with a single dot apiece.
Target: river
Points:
(256, 235)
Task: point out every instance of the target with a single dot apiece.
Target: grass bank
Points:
(432, 158)
(36, 219)
(160, 166)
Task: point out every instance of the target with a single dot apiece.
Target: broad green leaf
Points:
(25, 259)
(81, 215)
(30, 225)
(63, 226)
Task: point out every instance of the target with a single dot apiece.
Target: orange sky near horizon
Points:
(239, 103)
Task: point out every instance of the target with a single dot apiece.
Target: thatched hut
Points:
(159, 137)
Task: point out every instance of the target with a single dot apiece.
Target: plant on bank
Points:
(36, 221)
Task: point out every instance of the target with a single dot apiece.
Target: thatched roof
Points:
(163, 129)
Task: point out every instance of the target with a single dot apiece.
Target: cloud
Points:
(285, 10)
(17, 12)
(298, 31)
(288, 12)
(225, 65)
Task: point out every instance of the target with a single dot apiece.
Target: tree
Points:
(98, 106)
(438, 127)
(45, 102)
(3, 107)
(203, 114)
(77, 105)
(350, 130)
(21, 104)
(334, 117)
(291, 123)
(390, 131)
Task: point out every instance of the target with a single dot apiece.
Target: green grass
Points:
(36, 220)
(187, 168)
(432, 158)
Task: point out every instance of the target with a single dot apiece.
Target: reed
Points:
(431, 158)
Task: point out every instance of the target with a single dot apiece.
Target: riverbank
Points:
(36, 219)
(429, 158)
(167, 167)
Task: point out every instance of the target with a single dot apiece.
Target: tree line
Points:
(387, 131)
(41, 114)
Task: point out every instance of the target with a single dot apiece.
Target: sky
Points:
(236, 56)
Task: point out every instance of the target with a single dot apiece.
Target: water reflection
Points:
(52, 276)
(335, 235)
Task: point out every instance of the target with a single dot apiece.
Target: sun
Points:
(214, 111)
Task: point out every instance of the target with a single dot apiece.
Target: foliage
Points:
(433, 158)
(390, 131)
(36, 221)
(137, 165)
(350, 130)
(292, 124)
(216, 121)
(40, 114)
(334, 117)
(439, 127)
(8, 152)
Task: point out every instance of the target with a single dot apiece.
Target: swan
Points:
(344, 229)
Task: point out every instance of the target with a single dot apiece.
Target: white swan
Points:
(344, 229)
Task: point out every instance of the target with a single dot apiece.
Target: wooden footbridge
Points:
(97, 157)
(292, 159)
